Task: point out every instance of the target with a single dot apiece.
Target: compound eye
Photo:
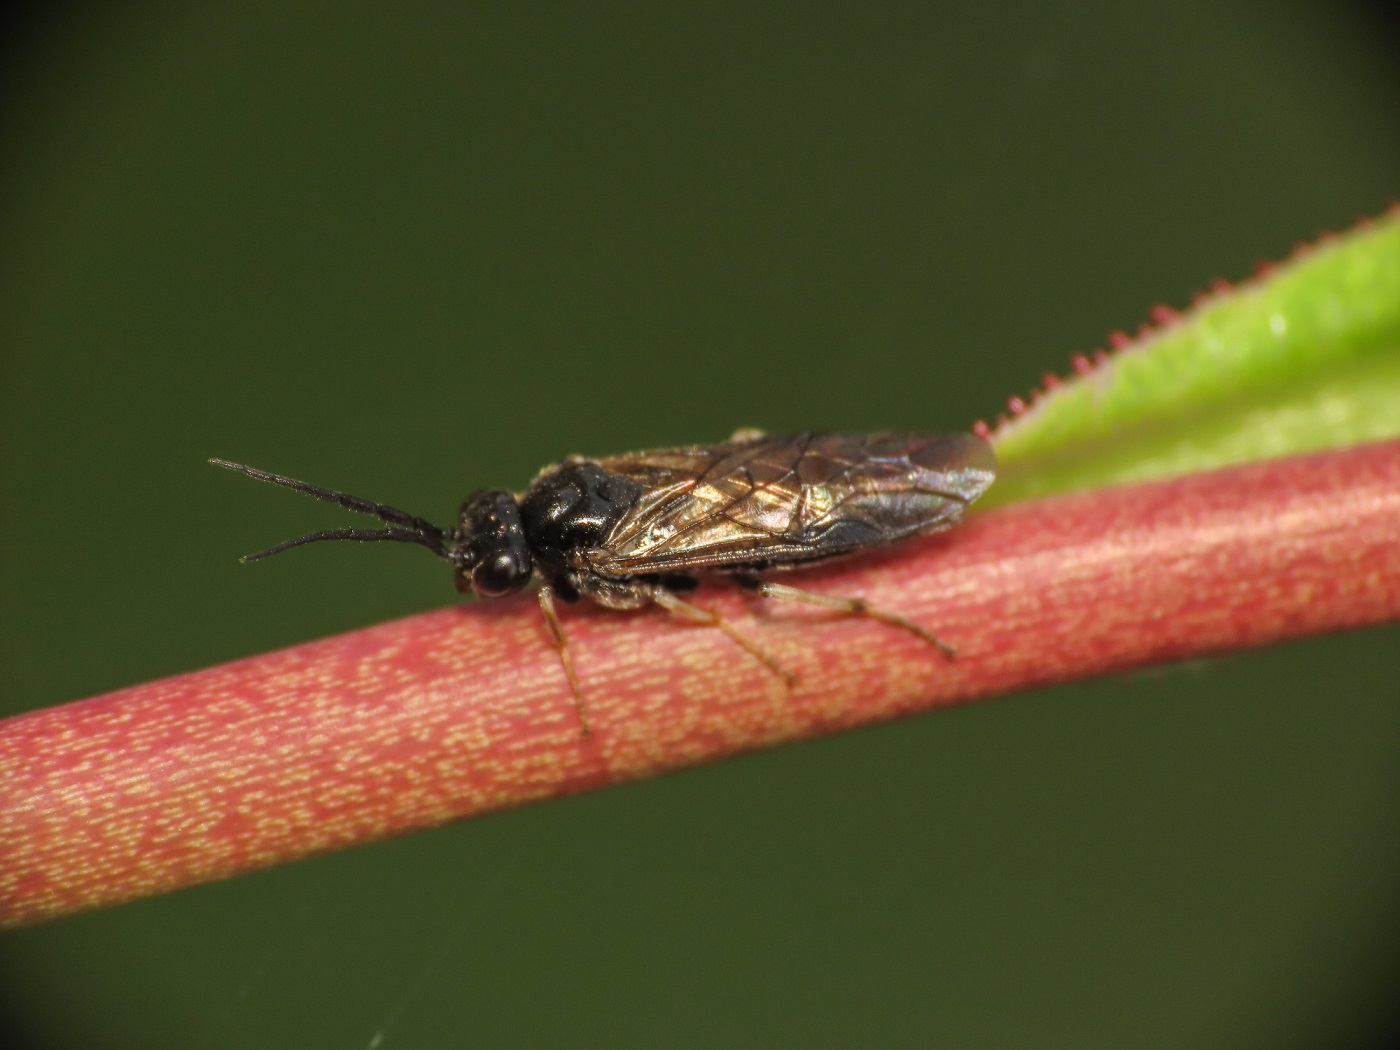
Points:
(498, 575)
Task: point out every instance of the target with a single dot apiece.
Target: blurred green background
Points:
(411, 250)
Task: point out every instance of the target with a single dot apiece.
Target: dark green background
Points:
(410, 250)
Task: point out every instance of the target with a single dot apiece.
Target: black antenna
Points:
(410, 529)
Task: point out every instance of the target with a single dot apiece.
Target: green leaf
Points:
(1303, 357)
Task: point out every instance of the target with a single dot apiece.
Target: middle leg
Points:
(850, 606)
(671, 603)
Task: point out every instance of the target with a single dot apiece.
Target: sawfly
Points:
(641, 528)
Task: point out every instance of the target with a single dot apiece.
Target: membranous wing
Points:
(786, 500)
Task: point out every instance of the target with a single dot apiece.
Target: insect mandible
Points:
(640, 528)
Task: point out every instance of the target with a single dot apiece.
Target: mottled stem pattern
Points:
(466, 710)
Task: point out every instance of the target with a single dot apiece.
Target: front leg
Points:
(551, 617)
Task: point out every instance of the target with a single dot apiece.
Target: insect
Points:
(640, 528)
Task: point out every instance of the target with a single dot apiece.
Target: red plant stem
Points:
(465, 710)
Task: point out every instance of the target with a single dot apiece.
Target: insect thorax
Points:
(569, 509)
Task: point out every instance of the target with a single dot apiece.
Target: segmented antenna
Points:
(404, 528)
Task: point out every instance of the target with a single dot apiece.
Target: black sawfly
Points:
(641, 528)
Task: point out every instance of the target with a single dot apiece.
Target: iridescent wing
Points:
(771, 501)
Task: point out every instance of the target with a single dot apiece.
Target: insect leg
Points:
(668, 601)
(850, 606)
(551, 617)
